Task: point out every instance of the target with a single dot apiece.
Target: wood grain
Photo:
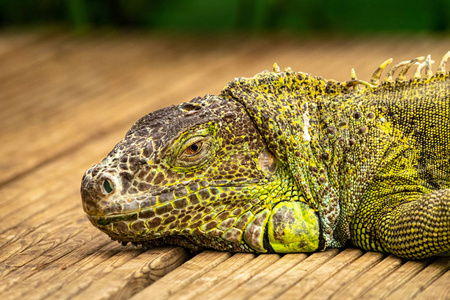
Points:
(295, 274)
(346, 275)
(422, 280)
(243, 287)
(215, 276)
(126, 280)
(396, 279)
(313, 281)
(183, 275)
(360, 285)
(438, 290)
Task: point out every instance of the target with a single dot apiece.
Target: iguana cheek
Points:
(293, 227)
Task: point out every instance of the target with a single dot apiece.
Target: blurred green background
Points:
(352, 16)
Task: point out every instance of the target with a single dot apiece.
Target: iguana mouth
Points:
(194, 244)
(106, 220)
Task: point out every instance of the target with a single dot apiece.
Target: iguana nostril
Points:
(108, 186)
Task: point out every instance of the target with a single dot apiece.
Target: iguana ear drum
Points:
(267, 162)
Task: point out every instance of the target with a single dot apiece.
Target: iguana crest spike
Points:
(276, 68)
(287, 162)
(377, 74)
(442, 65)
(420, 66)
(354, 78)
(402, 75)
(405, 65)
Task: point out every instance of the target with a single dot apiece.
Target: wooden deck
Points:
(66, 100)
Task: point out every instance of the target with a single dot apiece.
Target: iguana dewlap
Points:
(287, 162)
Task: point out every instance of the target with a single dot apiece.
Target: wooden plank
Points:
(68, 289)
(296, 273)
(37, 228)
(59, 249)
(37, 221)
(252, 279)
(72, 75)
(215, 276)
(183, 275)
(360, 285)
(438, 290)
(126, 280)
(38, 245)
(115, 265)
(60, 128)
(15, 47)
(13, 40)
(346, 275)
(24, 281)
(315, 279)
(411, 288)
(47, 282)
(396, 279)
(166, 263)
(32, 209)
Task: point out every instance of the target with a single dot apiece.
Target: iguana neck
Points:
(286, 108)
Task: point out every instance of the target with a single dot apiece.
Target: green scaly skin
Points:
(286, 162)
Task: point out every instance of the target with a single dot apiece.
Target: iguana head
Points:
(198, 175)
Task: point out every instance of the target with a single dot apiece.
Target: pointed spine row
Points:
(404, 66)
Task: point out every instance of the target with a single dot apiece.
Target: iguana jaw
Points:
(252, 221)
(154, 208)
(213, 218)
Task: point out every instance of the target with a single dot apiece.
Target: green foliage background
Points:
(233, 15)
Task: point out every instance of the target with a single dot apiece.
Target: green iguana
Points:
(287, 162)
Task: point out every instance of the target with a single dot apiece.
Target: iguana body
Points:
(287, 162)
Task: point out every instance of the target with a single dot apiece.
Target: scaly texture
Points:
(287, 162)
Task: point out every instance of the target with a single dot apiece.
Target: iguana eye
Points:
(193, 153)
(194, 148)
